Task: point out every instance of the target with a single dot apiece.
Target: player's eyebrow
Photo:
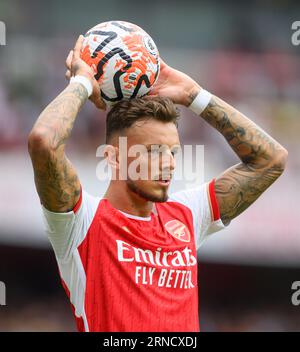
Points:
(162, 145)
(174, 148)
(153, 145)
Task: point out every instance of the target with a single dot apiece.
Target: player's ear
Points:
(111, 153)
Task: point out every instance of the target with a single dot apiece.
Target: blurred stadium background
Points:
(244, 54)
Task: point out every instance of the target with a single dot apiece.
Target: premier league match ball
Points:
(124, 58)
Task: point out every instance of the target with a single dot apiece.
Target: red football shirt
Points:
(128, 273)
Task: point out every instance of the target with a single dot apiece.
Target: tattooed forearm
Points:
(249, 142)
(57, 120)
(56, 180)
(238, 187)
(263, 159)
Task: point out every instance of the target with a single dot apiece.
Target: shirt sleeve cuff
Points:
(78, 204)
(214, 206)
(73, 211)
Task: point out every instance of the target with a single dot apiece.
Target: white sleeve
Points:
(67, 230)
(204, 207)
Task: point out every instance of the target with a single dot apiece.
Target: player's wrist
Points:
(84, 81)
(200, 101)
(190, 94)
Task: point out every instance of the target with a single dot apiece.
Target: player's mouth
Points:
(164, 183)
(163, 180)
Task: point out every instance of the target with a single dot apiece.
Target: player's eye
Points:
(175, 151)
(154, 149)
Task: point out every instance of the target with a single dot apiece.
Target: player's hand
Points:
(176, 85)
(76, 66)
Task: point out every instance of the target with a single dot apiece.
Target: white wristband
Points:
(85, 82)
(201, 101)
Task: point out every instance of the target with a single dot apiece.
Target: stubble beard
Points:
(148, 196)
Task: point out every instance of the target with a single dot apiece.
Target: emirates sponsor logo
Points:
(129, 253)
(159, 268)
(178, 230)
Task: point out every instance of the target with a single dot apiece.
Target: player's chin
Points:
(159, 190)
(154, 191)
(157, 196)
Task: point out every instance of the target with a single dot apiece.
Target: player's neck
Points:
(128, 202)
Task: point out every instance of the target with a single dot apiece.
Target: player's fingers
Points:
(162, 63)
(153, 93)
(69, 60)
(77, 47)
(154, 90)
(100, 104)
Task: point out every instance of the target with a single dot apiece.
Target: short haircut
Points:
(126, 112)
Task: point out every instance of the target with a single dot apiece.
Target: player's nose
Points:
(168, 161)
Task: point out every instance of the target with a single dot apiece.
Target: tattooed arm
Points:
(262, 158)
(56, 180)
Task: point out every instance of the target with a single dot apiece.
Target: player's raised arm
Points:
(56, 180)
(262, 158)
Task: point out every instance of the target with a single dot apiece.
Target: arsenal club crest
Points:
(178, 230)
